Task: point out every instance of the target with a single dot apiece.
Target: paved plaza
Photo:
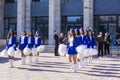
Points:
(57, 68)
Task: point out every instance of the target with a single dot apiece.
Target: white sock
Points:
(11, 63)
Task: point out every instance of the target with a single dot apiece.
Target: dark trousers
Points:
(56, 49)
(107, 49)
(100, 50)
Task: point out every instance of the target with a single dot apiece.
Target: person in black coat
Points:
(100, 44)
(107, 43)
(56, 38)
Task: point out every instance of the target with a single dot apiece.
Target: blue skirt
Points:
(22, 46)
(72, 50)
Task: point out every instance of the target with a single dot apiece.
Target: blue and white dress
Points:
(23, 42)
(91, 42)
(31, 42)
(11, 42)
(37, 41)
(82, 40)
(71, 46)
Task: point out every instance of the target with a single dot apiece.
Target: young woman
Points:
(30, 45)
(37, 44)
(72, 50)
(22, 44)
(91, 45)
(11, 43)
(82, 46)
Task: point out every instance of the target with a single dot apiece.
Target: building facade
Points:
(46, 16)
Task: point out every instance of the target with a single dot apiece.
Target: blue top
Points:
(82, 40)
(23, 42)
(11, 42)
(91, 42)
(31, 42)
(37, 41)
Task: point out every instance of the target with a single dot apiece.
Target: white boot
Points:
(91, 59)
(30, 59)
(10, 63)
(75, 68)
(36, 59)
(23, 61)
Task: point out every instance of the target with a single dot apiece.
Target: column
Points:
(88, 14)
(20, 17)
(1, 18)
(28, 15)
(23, 16)
(54, 19)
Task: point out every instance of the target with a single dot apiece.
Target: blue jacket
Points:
(13, 43)
(82, 40)
(91, 42)
(23, 45)
(31, 45)
(38, 42)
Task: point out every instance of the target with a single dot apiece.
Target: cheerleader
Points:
(10, 47)
(37, 44)
(72, 50)
(91, 45)
(22, 44)
(30, 44)
(81, 47)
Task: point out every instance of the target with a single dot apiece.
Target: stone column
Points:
(20, 17)
(28, 15)
(1, 18)
(54, 19)
(88, 14)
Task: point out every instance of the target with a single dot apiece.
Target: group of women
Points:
(80, 48)
(26, 43)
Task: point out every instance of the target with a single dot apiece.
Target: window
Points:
(68, 22)
(9, 23)
(11, 1)
(39, 0)
(40, 24)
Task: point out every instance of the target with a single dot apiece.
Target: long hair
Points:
(73, 33)
(10, 34)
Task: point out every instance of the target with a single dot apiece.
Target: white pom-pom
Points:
(11, 51)
(80, 56)
(93, 52)
(86, 52)
(4, 53)
(67, 55)
(17, 51)
(62, 49)
(41, 48)
(34, 51)
(27, 51)
(80, 49)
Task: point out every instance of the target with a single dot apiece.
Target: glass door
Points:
(112, 32)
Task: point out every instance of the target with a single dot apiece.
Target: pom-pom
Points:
(27, 51)
(34, 51)
(86, 52)
(4, 53)
(93, 52)
(17, 51)
(80, 49)
(11, 51)
(41, 48)
(80, 56)
(62, 49)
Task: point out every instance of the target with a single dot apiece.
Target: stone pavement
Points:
(57, 68)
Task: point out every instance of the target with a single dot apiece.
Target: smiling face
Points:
(23, 33)
(29, 34)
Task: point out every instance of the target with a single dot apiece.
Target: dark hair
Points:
(87, 33)
(73, 32)
(9, 34)
(78, 33)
